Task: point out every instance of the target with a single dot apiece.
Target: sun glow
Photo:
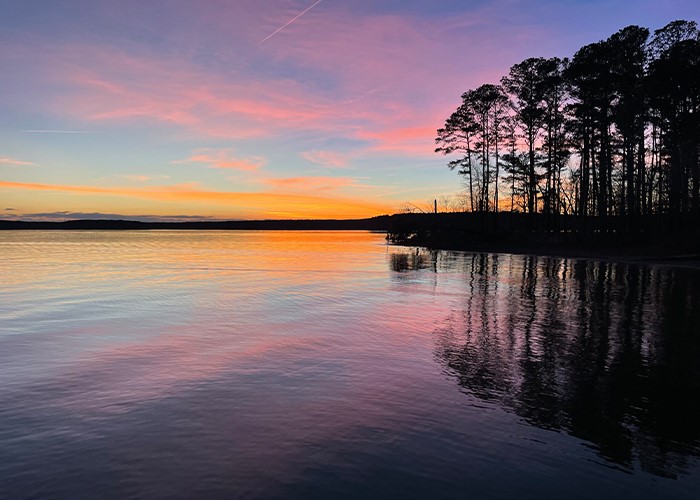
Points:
(189, 199)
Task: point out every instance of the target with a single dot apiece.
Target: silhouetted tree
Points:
(459, 136)
(515, 164)
(555, 146)
(628, 114)
(476, 131)
(674, 80)
(525, 84)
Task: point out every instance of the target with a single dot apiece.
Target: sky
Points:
(258, 109)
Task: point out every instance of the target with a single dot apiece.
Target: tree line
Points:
(612, 131)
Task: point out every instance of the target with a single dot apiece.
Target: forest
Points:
(611, 134)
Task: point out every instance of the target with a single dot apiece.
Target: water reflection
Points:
(407, 261)
(604, 352)
(265, 364)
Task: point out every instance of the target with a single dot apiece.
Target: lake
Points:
(272, 364)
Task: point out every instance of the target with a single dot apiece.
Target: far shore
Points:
(379, 223)
(489, 233)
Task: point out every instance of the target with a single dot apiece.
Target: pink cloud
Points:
(408, 140)
(144, 178)
(223, 158)
(4, 160)
(104, 84)
(397, 73)
(326, 158)
(312, 183)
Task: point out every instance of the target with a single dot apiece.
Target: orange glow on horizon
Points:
(218, 204)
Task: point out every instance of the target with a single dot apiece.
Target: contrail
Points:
(289, 22)
(59, 132)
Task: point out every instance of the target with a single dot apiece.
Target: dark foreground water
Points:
(328, 365)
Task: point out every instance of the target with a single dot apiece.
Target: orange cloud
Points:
(225, 204)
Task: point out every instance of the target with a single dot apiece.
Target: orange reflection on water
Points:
(157, 308)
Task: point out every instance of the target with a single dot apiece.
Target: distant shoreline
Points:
(481, 233)
(379, 223)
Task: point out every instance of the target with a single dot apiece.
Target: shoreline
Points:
(653, 240)
(449, 232)
(650, 255)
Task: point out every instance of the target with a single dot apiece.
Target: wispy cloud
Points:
(223, 158)
(289, 22)
(67, 215)
(325, 158)
(140, 88)
(42, 131)
(413, 141)
(143, 178)
(312, 183)
(4, 160)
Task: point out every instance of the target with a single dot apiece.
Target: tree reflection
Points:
(407, 261)
(606, 352)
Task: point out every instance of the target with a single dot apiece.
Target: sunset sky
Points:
(250, 109)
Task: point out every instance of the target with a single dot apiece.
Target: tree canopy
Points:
(613, 131)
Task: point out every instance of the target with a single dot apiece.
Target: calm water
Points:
(328, 365)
